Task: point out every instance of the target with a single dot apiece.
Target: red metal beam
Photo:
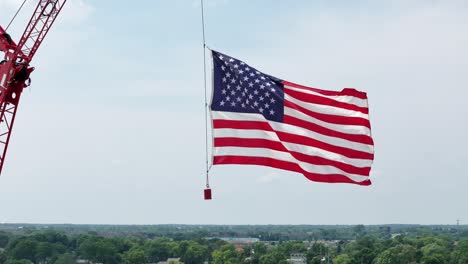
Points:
(15, 68)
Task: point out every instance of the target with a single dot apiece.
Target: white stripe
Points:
(304, 149)
(285, 156)
(286, 128)
(349, 129)
(340, 98)
(326, 109)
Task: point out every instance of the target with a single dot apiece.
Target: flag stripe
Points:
(241, 134)
(290, 166)
(285, 156)
(301, 136)
(256, 121)
(340, 98)
(334, 119)
(325, 109)
(319, 100)
(365, 139)
(349, 129)
(275, 145)
(347, 91)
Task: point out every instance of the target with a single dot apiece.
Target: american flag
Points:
(259, 119)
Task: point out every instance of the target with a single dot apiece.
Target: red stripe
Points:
(333, 119)
(275, 145)
(292, 138)
(285, 165)
(326, 131)
(346, 91)
(315, 99)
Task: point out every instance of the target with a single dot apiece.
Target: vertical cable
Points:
(206, 96)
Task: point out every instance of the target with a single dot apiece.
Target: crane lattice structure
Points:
(15, 68)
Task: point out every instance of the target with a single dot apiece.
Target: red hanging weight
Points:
(207, 193)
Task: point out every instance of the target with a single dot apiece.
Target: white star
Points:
(231, 60)
(243, 94)
(238, 99)
(242, 63)
(233, 80)
(261, 110)
(243, 105)
(257, 80)
(241, 71)
(228, 86)
(252, 74)
(223, 68)
(247, 69)
(261, 98)
(228, 98)
(262, 86)
(233, 92)
(268, 84)
(267, 105)
(221, 103)
(247, 101)
(250, 96)
(223, 91)
(272, 112)
(233, 104)
(238, 87)
(228, 75)
(246, 78)
(255, 104)
(272, 89)
(236, 66)
(272, 100)
(250, 84)
(257, 72)
(263, 78)
(221, 57)
(255, 92)
(224, 79)
(267, 94)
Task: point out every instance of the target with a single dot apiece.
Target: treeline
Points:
(58, 248)
(263, 232)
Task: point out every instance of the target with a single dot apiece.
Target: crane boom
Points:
(15, 67)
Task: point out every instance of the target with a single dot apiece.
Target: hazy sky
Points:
(112, 129)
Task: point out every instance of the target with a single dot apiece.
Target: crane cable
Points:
(19, 9)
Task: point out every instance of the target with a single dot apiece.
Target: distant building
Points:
(240, 240)
(297, 258)
(169, 260)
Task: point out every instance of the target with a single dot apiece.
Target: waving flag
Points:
(262, 120)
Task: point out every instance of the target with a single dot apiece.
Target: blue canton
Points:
(240, 88)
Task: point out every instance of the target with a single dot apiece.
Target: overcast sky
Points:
(112, 129)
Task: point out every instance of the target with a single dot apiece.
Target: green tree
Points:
(342, 259)
(18, 261)
(195, 253)
(66, 258)
(226, 254)
(24, 249)
(98, 249)
(135, 256)
(4, 238)
(400, 254)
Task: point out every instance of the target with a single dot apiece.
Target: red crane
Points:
(15, 67)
